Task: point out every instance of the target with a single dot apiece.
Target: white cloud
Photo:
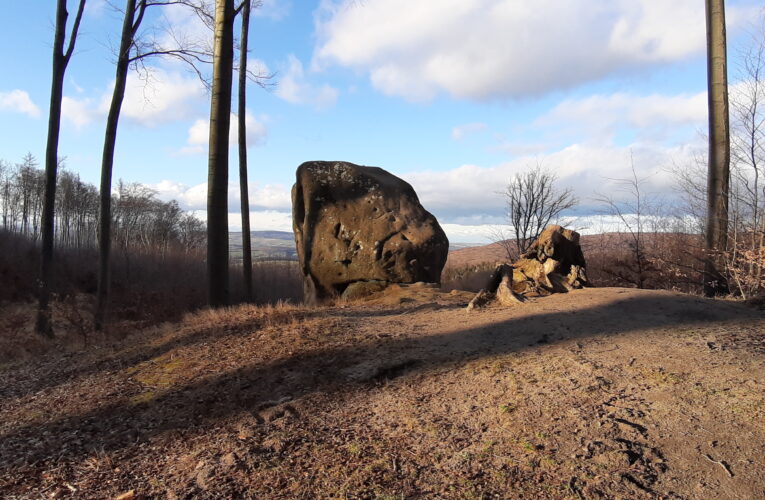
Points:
(95, 8)
(79, 112)
(601, 115)
(461, 131)
(293, 87)
(18, 101)
(262, 220)
(258, 67)
(162, 97)
(275, 10)
(199, 133)
(504, 48)
(263, 197)
(158, 97)
(586, 169)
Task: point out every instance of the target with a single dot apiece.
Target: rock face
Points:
(553, 263)
(354, 224)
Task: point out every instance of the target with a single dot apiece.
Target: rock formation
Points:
(553, 263)
(361, 224)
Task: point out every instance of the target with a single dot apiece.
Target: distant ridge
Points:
(274, 235)
(266, 245)
(280, 245)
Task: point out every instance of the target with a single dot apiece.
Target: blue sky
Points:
(453, 95)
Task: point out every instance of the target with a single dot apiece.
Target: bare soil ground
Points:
(599, 393)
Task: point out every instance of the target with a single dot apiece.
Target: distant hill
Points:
(266, 245)
(273, 235)
(494, 252)
(280, 245)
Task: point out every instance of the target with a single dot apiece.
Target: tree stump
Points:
(498, 287)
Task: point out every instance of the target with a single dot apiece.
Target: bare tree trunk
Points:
(719, 149)
(243, 185)
(107, 163)
(60, 62)
(217, 180)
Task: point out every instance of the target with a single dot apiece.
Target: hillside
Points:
(615, 393)
(591, 244)
(266, 245)
(280, 245)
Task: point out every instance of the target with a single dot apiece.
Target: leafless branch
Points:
(533, 202)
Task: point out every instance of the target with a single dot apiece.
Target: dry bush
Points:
(243, 317)
(148, 287)
(745, 264)
(672, 261)
(18, 266)
(272, 281)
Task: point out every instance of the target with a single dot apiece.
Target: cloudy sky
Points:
(455, 96)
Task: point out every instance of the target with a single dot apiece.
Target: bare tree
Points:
(61, 59)
(131, 23)
(745, 253)
(638, 213)
(133, 50)
(532, 202)
(718, 177)
(217, 181)
(243, 184)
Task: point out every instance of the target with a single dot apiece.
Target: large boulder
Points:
(553, 263)
(355, 224)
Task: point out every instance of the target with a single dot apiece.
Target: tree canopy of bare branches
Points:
(638, 213)
(532, 202)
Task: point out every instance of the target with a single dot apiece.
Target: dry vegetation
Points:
(599, 393)
(668, 261)
(148, 288)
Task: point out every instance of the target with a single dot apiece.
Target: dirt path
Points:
(600, 393)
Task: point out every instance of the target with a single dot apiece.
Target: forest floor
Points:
(598, 393)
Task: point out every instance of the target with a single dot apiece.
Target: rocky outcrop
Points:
(553, 263)
(355, 224)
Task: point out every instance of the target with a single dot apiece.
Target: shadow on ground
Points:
(251, 388)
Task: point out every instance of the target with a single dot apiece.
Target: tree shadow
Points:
(53, 374)
(59, 374)
(348, 368)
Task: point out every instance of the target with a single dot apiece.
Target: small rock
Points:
(229, 459)
(202, 477)
(275, 444)
(128, 495)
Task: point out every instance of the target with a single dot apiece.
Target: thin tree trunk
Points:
(217, 181)
(243, 184)
(107, 164)
(719, 149)
(60, 62)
